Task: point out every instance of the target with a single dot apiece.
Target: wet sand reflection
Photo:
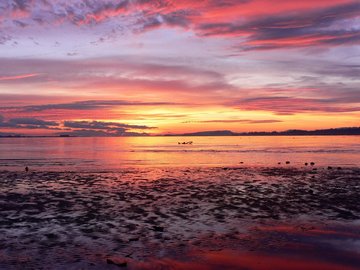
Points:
(185, 218)
(304, 246)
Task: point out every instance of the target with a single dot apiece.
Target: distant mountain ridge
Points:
(291, 132)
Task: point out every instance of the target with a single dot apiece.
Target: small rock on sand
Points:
(114, 262)
(158, 229)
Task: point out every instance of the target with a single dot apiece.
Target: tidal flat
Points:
(181, 218)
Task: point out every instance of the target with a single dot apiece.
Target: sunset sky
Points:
(120, 67)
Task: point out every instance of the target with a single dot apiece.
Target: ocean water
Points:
(98, 154)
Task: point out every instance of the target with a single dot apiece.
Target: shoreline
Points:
(241, 166)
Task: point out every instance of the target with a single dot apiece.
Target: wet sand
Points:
(181, 218)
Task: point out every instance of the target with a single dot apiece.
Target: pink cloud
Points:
(264, 25)
(18, 77)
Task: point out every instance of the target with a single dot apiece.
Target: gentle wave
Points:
(242, 151)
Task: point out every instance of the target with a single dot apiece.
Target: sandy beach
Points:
(181, 218)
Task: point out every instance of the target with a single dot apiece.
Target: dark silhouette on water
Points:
(189, 142)
(26, 169)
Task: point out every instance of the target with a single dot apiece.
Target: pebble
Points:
(158, 229)
(120, 264)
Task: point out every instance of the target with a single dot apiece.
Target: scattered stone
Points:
(306, 163)
(51, 236)
(120, 264)
(329, 168)
(287, 162)
(312, 163)
(158, 229)
(134, 239)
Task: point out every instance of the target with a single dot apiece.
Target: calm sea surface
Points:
(98, 154)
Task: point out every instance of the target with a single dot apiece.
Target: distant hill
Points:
(209, 133)
(291, 132)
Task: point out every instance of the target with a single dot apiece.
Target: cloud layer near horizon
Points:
(74, 128)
